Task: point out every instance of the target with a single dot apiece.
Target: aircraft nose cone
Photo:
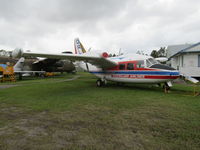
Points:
(161, 66)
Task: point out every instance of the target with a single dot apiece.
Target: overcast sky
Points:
(107, 25)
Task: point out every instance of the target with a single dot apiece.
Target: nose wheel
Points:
(101, 83)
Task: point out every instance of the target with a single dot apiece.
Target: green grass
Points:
(51, 114)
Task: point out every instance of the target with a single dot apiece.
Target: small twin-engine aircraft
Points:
(131, 68)
(21, 72)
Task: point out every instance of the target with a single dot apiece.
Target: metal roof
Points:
(173, 49)
(191, 49)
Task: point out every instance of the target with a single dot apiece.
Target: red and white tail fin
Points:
(78, 47)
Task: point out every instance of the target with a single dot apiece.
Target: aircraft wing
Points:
(98, 61)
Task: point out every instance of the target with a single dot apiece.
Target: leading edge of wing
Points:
(94, 60)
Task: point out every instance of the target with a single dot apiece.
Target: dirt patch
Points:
(87, 128)
(54, 81)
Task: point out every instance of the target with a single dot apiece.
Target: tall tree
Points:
(160, 53)
(154, 53)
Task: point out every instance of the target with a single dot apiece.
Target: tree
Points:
(154, 54)
(138, 52)
(110, 55)
(160, 53)
(141, 52)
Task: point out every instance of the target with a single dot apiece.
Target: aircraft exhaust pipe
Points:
(17, 53)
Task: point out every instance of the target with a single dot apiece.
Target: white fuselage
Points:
(139, 74)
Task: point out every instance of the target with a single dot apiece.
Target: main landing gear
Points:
(167, 86)
(101, 82)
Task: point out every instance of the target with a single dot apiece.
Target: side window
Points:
(140, 64)
(130, 66)
(122, 67)
(182, 61)
(198, 60)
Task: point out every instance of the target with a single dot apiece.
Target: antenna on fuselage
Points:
(120, 52)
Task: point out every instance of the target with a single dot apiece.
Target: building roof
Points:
(189, 49)
(173, 49)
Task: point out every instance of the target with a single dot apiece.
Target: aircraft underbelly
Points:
(132, 79)
(137, 80)
(136, 76)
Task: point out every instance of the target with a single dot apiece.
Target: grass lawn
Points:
(57, 113)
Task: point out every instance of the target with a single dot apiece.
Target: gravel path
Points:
(7, 86)
(54, 81)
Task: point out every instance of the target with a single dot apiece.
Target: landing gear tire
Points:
(20, 76)
(99, 83)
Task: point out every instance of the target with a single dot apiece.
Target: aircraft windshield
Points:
(151, 61)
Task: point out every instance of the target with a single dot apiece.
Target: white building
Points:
(185, 58)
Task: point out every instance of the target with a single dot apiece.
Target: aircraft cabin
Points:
(136, 65)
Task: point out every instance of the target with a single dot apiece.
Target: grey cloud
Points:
(79, 10)
(105, 24)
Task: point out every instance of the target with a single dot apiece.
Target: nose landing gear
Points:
(167, 86)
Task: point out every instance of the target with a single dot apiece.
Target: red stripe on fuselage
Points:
(128, 76)
(137, 69)
(161, 77)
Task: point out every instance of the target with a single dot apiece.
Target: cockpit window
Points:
(140, 64)
(151, 61)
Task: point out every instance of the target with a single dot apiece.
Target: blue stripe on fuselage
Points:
(137, 72)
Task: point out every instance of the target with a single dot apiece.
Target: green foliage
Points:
(160, 53)
(154, 54)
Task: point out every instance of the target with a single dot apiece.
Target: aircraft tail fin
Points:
(78, 47)
(19, 65)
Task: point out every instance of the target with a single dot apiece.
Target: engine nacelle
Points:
(17, 53)
(161, 59)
